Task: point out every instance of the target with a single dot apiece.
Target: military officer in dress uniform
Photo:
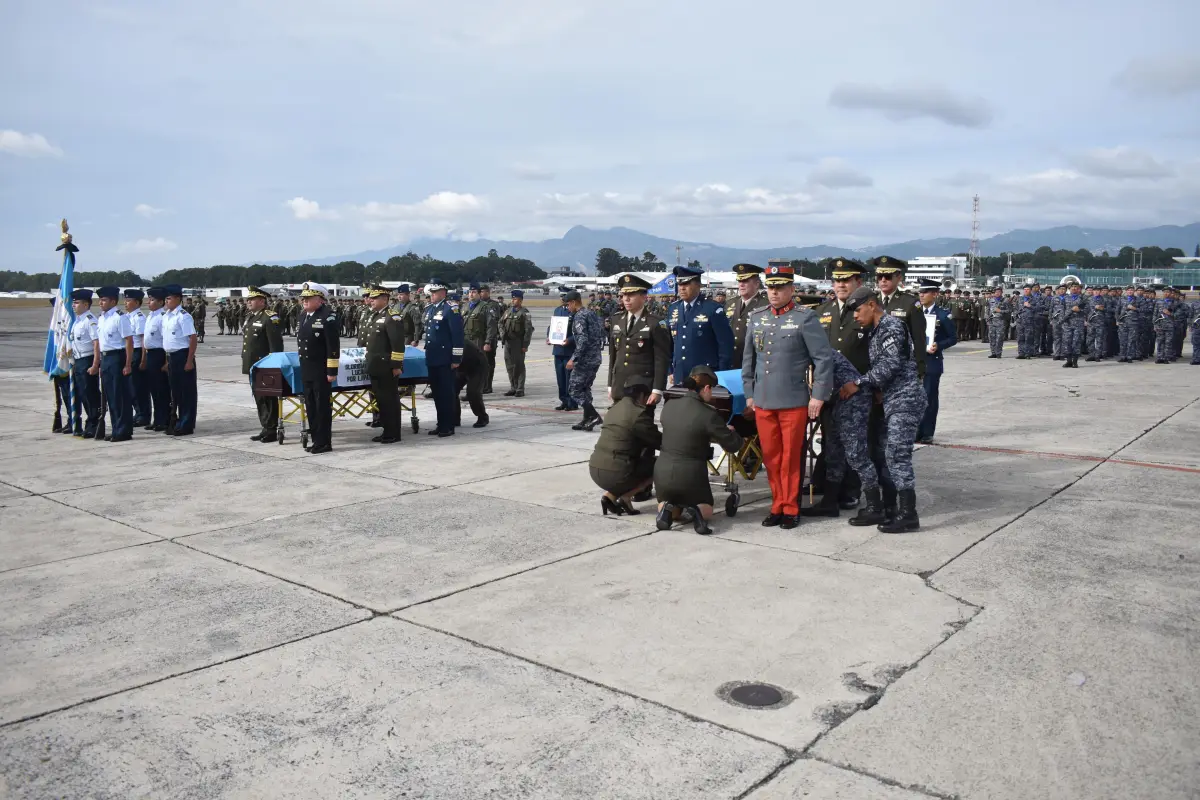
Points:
(443, 354)
(116, 364)
(638, 342)
(383, 335)
(847, 338)
(699, 328)
(261, 337)
(139, 388)
(782, 342)
(945, 336)
(750, 299)
(85, 365)
(318, 341)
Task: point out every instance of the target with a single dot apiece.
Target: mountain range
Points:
(577, 248)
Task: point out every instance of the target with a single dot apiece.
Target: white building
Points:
(945, 270)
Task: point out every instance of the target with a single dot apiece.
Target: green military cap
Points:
(703, 369)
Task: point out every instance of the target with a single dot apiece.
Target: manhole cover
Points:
(754, 695)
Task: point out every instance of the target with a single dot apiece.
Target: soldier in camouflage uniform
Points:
(1146, 324)
(479, 324)
(516, 331)
(997, 322)
(588, 332)
(1126, 326)
(1058, 312)
(1097, 321)
(1075, 310)
(893, 373)
(493, 342)
(1194, 322)
(1164, 329)
(220, 315)
(846, 443)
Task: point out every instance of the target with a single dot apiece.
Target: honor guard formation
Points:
(864, 363)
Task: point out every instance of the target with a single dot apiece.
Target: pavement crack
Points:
(911, 787)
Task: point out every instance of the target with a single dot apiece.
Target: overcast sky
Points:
(175, 134)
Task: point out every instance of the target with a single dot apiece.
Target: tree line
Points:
(409, 267)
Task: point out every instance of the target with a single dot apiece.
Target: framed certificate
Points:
(930, 329)
(559, 328)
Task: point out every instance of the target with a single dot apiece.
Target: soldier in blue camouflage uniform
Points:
(1164, 329)
(1182, 310)
(846, 442)
(1194, 321)
(588, 331)
(997, 318)
(893, 373)
(1146, 324)
(1057, 313)
(1127, 327)
(1026, 312)
(1075, 312)
(1097, 322)
(1041, 321)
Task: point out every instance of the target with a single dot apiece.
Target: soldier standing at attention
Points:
(479, 324)
(782, 342)
(699, 328)
(1025, 325)
(1097, 321)
(1126, 326)
(889, 272)
(639, 343)
(894, 374)
(410, 315)
(116, 364)
(443, 354)
(945, 336)
(154, 361)
(199, 315)
(588, 332)
(318, 342)
(139, 387)
(749, 300)
(493, 341)
(1058, 312)
(383, 336)
(261, 338)
(1075, 310)
(220, 318)
(997, 322)
(179, 342)
(85, 364)
(516, 330)
(562, 355)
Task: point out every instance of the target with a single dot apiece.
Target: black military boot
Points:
(828, 507)
(907, 520)
(1067, 363)
(872, 512)
(889, 502)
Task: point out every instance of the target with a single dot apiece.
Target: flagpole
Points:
(57, 363)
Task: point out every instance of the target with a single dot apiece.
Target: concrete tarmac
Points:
(212, 617)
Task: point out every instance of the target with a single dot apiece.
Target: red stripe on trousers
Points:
(781, 434)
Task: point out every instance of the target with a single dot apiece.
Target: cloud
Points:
(309, 209)
(1121, 163)
(147, 246)
(1171, 76)
(834, 173)
(903, 103)
(28, 145)
(711, 200)
(440, 214)
(147, 211)
(532, 172)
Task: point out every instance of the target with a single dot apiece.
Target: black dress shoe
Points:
(184, 433)
(159, 428)
(789, 521)
(108, 438)
(324, 448)
(256, 438)
(560, 407)
(433, 431)
(520, 394)
(481, 422)
(444, 434)
(89, 435)
(147, 427)
(772, 520)
(126, 438)
(386, 439)
(510, 393)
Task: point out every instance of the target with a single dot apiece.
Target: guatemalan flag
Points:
(57, 362)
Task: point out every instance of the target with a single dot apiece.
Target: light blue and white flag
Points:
(57, 362)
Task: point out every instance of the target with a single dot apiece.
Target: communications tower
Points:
(973, 253)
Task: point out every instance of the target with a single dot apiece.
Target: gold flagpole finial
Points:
(66, 237)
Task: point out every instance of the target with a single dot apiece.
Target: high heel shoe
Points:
(628, 507)
(699, 523)
(607, 505)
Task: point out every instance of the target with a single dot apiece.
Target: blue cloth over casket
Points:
(731, 379)
(288, 363)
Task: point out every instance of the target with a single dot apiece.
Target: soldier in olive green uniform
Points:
(384, 339)
(750, 298)
(516, 331)
(639, 342)
(412, 316)
(261, 338)
(493, 341)
(480, 326)
(889, 272)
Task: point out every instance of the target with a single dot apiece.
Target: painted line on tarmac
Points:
(1067, 456)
